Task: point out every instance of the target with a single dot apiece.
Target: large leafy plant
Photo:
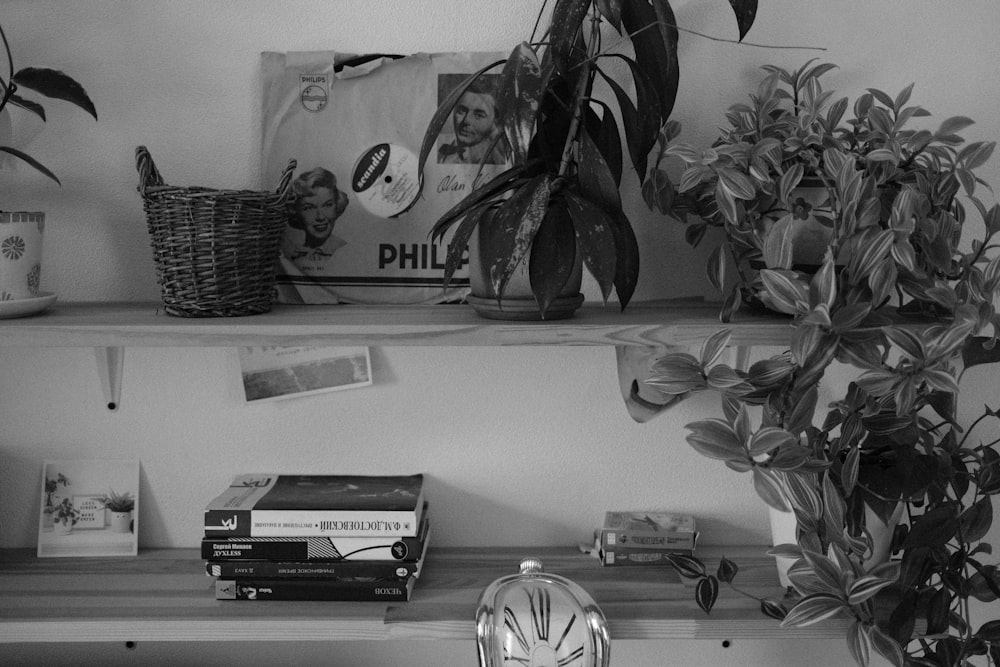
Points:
(559, 199)
(885, 182)
(48, 82)
(899, 237)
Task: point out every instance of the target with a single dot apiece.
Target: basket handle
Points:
(149, 175)
(286, 179)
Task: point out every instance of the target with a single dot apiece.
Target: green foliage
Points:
(558, 202)
(900, 247)
(50, 83)
(65, 513)
(890, 195)
(118, 502)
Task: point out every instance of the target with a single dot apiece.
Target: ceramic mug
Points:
(20, 254)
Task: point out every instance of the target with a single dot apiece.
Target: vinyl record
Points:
(385, 179)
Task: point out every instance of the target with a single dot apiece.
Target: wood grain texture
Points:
(164, 595)
(96, 324)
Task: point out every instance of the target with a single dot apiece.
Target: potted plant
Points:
(872, 173)
(21, 231)
(890, 444)
(64, 517)
(557, 207)
(51, 486)
(120, 505)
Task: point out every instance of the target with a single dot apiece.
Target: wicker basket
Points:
(215, 250)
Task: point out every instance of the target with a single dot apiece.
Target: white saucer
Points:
(22, 307)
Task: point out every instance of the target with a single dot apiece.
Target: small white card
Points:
(284, 372)
(89, 507)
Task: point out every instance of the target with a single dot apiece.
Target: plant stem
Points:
(580, 95)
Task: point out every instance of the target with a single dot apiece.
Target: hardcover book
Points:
(329, 549)
(270, 505)
(313, 589)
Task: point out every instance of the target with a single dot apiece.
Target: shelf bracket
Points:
(634, 363)
(109, 369)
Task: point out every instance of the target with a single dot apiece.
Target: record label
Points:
(385, 179)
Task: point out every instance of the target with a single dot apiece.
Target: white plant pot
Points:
(20, 255)
(62, 528)
(121, 522)
(784, 530)
(881, 534)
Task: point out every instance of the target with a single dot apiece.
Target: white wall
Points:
(521, 445)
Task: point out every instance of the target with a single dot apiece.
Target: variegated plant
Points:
(44, 81)
(888, 184)
(559, 199)
(892, 438)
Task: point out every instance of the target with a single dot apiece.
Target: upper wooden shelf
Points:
(120, 324)
(165, 595)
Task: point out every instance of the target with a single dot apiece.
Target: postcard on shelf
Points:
(273, 372)
(89, 507)
(273, 505)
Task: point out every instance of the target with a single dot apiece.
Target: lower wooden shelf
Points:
(165, 595)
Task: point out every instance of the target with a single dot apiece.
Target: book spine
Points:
(313, 549)
(312, 589)
(312, 569)
(612, 538)
(639, 556)
(309, 523)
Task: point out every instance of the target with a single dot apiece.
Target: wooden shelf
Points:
(94, 324)
(165, 595)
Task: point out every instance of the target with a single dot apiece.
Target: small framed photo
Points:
(89, 508)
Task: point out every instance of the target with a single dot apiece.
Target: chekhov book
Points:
(272, 505)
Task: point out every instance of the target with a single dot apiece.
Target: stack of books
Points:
(316, 537)
(644, 538)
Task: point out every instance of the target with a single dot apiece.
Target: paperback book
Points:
(271, 505)
(647, 530)
(328, 549)
(313, 589)
(386, 570)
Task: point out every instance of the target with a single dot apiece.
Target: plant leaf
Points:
(522, 84)
(55, 84)
(564, 28)
(706, 593)
(653, 31)
(553, 255)
(727, 570)
(715, 439)
(713, 347)
(688, 567)
(640, 123)
(30, 160)
(595, 239)
(859, 644)
(512, 230)
(612, 11)
(746, 11)
(459, 242)
(813, 609)
(595, 176)
(768, 487)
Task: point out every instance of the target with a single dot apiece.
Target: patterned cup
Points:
(20, 254)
